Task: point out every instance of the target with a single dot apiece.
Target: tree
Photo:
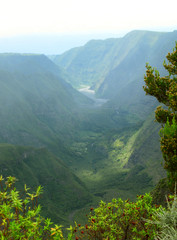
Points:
(165, 91)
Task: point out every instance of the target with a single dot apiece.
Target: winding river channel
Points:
(91, 94)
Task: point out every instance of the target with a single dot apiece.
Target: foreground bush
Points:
(20, 218)
(121, 220)
(20, 214)
(166, 220)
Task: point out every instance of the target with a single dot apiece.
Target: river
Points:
(91, 94)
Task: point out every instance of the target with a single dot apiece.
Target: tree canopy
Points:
(165, 90)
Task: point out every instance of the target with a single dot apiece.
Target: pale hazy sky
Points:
(21, 17)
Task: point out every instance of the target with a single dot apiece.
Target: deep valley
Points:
(82, 148)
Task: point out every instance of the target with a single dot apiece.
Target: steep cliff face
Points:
(105, 64)
(123, 85)
(115, 67)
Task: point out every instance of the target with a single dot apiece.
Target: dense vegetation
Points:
(165, 90)
(19, 214)
(20, 218)
(40, 167)
(52, 135)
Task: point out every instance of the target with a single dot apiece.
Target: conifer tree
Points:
(165, 91)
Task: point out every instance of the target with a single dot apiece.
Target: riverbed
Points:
(98, 102)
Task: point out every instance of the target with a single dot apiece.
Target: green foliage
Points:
(35, 167)
(20, 218)
(20, 214)
(120, 220)
(166, 220)
(160, 192)
(169, 150)
(38, 109)
(165, 90)
(104, 162)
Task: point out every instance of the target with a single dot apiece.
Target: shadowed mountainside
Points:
(113, 149)
(35, 167)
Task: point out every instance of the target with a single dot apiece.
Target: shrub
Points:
(120, 220)
(20, 214)
(20, 218)
(166, 220)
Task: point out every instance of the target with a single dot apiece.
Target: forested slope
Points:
(63, 192)
(113, 149)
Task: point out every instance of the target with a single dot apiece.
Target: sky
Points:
(76, 18)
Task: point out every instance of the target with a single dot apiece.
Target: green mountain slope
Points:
(113, 149)
(100, 62)
(146, 150)
(123, 85)
(37, 107)
(117, 154)
(123, 161)
(88, 65)
(115, 67)
(63, 191)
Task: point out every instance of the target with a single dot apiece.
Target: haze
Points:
(74, 22)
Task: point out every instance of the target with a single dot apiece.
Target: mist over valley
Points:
(79, 123)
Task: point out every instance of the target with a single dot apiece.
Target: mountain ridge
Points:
(107, 150)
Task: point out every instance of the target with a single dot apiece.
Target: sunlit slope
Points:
(120, 162)
(113, 149)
